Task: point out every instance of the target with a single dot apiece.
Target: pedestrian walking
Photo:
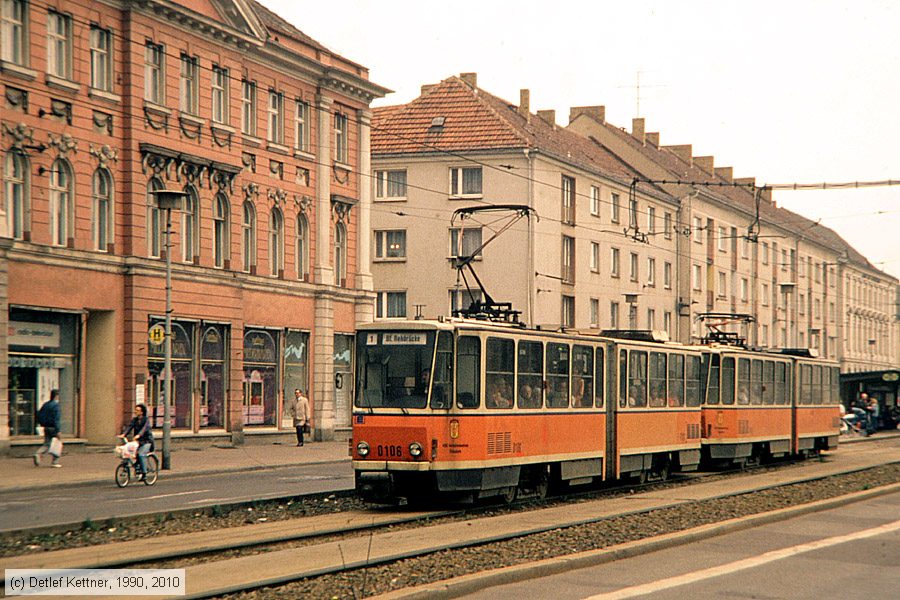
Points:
(301, 415)
(48, 418)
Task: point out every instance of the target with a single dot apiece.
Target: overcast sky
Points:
(787, 91)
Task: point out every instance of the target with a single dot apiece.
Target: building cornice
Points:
(178, 14)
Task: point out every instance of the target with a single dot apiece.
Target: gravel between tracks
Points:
(454, 563)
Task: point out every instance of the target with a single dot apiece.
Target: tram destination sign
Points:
(397, 339)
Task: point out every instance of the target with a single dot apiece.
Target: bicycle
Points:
(129, 468)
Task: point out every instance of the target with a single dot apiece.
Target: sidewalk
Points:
(89, 467)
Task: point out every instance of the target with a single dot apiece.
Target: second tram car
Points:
(470, 409)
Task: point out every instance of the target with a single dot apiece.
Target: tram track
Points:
(354, 540)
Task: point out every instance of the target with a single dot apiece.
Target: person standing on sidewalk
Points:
(48, 418)
(301, 415)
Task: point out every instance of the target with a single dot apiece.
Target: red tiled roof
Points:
(475, 120)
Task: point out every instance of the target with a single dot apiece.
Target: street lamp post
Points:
(168, 200)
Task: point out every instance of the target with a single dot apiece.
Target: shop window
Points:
(260, 377)
(213, 376)
(180, 378)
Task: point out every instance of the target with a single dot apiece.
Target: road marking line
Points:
(740, 565)
(162, 496)
(210, 500)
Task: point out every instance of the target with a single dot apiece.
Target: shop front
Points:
(261, 377)
(43, 356)
(180, 402)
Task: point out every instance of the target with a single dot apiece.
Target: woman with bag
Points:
(301, 415)
(48, 418)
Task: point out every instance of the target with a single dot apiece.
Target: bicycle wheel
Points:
(123, 475)
(152, 473)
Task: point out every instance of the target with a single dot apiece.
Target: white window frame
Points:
(764, 251)
(634, 267)
(190, 85)
(456, 296)
(248, 236)
(16, 189)
(567, 311)
(722, 244)
(221, 224)
(667, 224)
(698, 229)
(651, 319)
(61, 187)
(745, 288)
(651, 219)
(382, 304)
(276, 242)
(14, 32)
(220, 102)
(455, 240)
(301, 126)
(386, 180)
(595, 312)
(248, 107)
(190, 226)
(59, 44)
(567, 267)
(457, 181)
(614, 208)
(651, 271)
(764, 294)
(154, 73)
(614, 259)
(101, 41)
(567, 190)
(301, 247)
(275, 118)
(696, 278)
(667, 275)
(595, 257)
(614, 315)
(721, 284)
(633, 213)
(341, 138)
(102, 205)
(384, 240)
(595, 200)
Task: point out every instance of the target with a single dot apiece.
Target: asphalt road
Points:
(74, 504)
(847, 553)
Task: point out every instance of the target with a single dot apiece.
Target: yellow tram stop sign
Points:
(157, 334)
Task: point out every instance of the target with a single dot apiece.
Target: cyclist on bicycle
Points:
(143, 435)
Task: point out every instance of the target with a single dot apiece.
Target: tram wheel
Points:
(509, 494)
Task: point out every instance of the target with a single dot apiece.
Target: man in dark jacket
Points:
(48, 418)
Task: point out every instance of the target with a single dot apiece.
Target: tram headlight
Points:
(362, 449)
(415, 449)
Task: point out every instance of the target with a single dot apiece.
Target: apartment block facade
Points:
(628, 234)
(267, 132)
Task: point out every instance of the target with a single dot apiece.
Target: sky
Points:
(786, 92)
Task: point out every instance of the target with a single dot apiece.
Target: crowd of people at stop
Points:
(862, 415)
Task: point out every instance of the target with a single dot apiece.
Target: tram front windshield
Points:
(393, 369)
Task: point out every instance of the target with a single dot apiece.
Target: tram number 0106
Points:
(390, 451)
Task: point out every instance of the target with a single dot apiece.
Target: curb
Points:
(469, 584)
(165, 475)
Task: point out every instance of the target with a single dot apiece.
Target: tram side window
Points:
(676, 380)
(727, 389)
(710, 380)
(499, 369)
(557, 375)
(692, 381)
(835, 385)
(599, 387)
(582, 377)
(743, 375)
(637, 378)
(468, 372)
(657, 379)
(756, 382)
(805, 384)
(442, 384)
(781, 375)
(826, 385)
(623, 378)
(531, 374)
(768, 382)
(817, 384)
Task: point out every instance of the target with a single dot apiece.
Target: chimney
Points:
(682, 151)
(524, 103)
(427, 88)
(705, 163)
(470, 79)
(653, 138)
(548, 115)
(637, 129)
(726, 173)
(598, 113)
(767, 195)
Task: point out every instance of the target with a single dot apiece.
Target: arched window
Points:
(221, 253)
(15, 184)
(340, 255)
(154, 224)
(60, 202)
(276, 242)
(190, 225)
(302, 247)
(101, 224)
(248, 230)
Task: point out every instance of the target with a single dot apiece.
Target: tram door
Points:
(343, 353)
(612, 407)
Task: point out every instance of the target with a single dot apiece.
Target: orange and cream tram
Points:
(475, 409)
(756, 407)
